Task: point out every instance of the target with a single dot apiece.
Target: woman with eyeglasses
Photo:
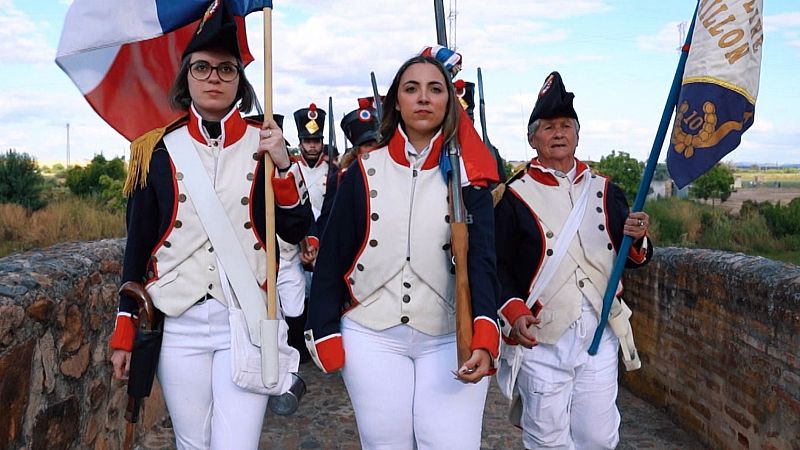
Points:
(170, 253)
(382, 302)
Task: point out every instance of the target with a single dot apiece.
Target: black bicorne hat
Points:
(217, 29)
(465, 91)
(361, 125)
(554, 100)
(310, 122)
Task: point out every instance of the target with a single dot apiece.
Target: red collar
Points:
(233, 127)
(544, 175)
(397, 150)
(302, 160)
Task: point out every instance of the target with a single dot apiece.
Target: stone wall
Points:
(718, 334)
(56, 315)
(719, 338)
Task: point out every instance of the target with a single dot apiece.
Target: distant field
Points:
(786, 177)
(760, 194)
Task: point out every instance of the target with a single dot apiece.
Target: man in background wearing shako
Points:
(360, 127)
(465, 90)
(299, 259)
(557, 230)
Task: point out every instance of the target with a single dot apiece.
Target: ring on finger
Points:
(270, 135)
(641, 222)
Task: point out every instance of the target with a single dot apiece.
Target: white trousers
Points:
(569, 397)
(404, 393)
(207, 410)
(291, 286)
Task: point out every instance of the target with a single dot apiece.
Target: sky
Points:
(617, 56)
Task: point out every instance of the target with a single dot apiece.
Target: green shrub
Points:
(85, 181)
(21, 182)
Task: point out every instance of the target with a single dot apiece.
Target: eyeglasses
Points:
(201, 70)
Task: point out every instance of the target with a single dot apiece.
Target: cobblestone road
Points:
(325, 421)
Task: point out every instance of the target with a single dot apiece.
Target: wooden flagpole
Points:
(269, 333)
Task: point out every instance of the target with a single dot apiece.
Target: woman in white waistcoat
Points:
(170, 253)
(382, 301)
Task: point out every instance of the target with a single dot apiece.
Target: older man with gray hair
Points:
(558, 228)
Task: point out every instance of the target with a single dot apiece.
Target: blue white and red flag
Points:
(124, 55)
(719, 88)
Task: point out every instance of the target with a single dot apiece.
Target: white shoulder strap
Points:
(562, 243)
(219, 229)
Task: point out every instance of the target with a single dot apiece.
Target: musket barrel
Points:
(441, 32)
(377, 96)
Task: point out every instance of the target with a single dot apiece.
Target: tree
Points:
(85, 181)
(21, 182)
(716, 183)
(624, 171)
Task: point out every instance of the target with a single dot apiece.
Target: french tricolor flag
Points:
(124, 55)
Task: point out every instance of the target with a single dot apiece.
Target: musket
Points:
(144, 357)
(377, 96)
(459, 236)
(501, 170)
(331, 132)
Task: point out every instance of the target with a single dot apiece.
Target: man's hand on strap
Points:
(522, 331)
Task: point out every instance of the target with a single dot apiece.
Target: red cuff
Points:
(486, 335)
(286, 194)
(328, 352)
(124, 334)
(512, 310)
(638, 255)
(313, 241)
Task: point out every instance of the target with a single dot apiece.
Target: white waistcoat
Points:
(185, 260)
(402, 272)
(589, 260)
(316, 179)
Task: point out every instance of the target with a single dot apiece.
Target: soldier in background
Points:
(298, 260)
(360, 126)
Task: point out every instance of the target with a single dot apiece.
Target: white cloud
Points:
(666, 40)
(781, 22)
(21, 39)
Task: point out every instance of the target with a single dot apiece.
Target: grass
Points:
(66, 220)
(686, 223)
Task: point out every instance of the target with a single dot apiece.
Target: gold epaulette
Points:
(500, 189)
(141, 153)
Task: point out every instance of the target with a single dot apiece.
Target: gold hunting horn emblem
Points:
(708, 135)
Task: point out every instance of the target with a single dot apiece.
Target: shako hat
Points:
(217, 28)
(553, 101)
(465, 91)
(361, 125)
(310, 122)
